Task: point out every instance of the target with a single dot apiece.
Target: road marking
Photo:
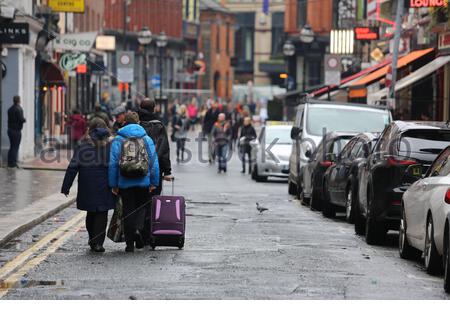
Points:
(68, 232)
(24, 256)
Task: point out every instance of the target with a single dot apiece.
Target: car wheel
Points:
(433, 262)
(350, 205)
(360, 223)
(314, 202)
(375, 230)
(328, 208)
(447, 262)
(258, 178)
(292, 189)
(405, 250)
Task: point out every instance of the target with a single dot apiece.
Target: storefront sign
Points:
(14, 33)
(366, 34)
(444, 41)
(82, 42)
(76, 6)
(70, 61)
(107, 43)
(426, 3)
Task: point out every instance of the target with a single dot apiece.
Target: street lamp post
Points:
(288, 52)
(161, 43)
(307, 37)
(145, 38)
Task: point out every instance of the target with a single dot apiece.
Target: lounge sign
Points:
(365, 33)
(427, 3)
(14, 33)
(76, 6)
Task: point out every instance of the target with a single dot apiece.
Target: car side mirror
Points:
(295, 132)
(414, 172)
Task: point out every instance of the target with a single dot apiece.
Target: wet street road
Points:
(232, 252)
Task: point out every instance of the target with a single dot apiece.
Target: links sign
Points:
(82, 42)
(70, 61)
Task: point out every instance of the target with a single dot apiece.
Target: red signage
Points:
(365, 33)
(427, 3)
(82, 68)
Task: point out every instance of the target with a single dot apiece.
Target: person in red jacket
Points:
(78, 127)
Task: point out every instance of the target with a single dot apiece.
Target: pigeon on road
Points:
(260, 209)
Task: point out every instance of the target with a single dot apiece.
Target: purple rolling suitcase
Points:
(168, 221)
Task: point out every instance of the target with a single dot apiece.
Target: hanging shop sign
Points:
(426, 3)
(444, 41)
(76, 6)
(82, 42)
(14, 33)
(366, 34)
(70, 61)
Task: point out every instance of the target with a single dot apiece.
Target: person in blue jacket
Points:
(135, 193)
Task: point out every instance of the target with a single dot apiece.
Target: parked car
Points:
(313, 117)
(271, 151)
(342, 178)
(322, 158)
(383, 180)
(424, 227)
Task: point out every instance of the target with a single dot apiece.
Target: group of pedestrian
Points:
(130, 163)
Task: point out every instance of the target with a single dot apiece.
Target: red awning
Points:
(51, 74)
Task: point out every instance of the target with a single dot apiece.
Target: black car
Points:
(383, 178)
(342, 178)
(319, 162)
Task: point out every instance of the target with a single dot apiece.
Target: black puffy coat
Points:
(90, 161)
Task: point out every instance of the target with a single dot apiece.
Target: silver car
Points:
(271, 151)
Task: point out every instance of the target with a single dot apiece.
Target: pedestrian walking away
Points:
(248, 133)
(134, 175)
(192, 111)
(90, 162)
(100, 113)
(15, 126)
(181, 127)
(221, 134)
(78, 127)
(208, 123)
(156, 130)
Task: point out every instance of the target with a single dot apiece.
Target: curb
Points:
(32, 223)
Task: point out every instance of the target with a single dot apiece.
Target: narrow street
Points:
(231, 252)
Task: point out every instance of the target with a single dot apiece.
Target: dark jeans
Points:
(148, 213)
(222, 153)
(96, 223)
(180, 148)
(246, 154)
(134, 210)
(15, 136)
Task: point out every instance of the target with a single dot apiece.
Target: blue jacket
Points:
(118, 181)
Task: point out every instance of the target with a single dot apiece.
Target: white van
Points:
(315, 117)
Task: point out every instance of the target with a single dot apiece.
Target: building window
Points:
(302, 13)
(217, 38)
(228, 39)
(244, 34)
(277, 33)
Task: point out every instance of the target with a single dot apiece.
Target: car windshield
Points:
(345, 119)
(424, 141)
(282, 134)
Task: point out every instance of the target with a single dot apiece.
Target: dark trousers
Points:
(96, 223)
(134, 208)
(222, 153)
(246, 154)
(148, 212)
(15, 136)
(180, 147)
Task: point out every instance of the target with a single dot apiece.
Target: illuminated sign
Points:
(365, 33)
(427, 3)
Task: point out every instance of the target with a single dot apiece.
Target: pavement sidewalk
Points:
(28, 197)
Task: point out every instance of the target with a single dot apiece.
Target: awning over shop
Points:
(415, 76)
(51, 74)
(359, 86)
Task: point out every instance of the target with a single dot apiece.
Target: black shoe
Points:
(139, 241)
(98, 248)
(243, 171)
(130, 248)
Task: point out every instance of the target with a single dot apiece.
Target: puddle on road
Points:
(24, 283)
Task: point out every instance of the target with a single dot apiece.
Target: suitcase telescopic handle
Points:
(173, 186)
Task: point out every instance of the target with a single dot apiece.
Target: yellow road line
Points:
(16, 276)
(24, 256)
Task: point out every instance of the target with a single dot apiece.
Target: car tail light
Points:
(396, 203)
(447, 196)
(326, 164)
(394, 161)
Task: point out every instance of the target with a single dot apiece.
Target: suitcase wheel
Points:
(181, 243)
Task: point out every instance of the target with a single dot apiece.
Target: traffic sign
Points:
(125, 66)
(156, 81)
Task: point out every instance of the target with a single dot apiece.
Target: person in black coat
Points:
(210, 119)
(248, 133)
(15, 126)
(90, 161)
